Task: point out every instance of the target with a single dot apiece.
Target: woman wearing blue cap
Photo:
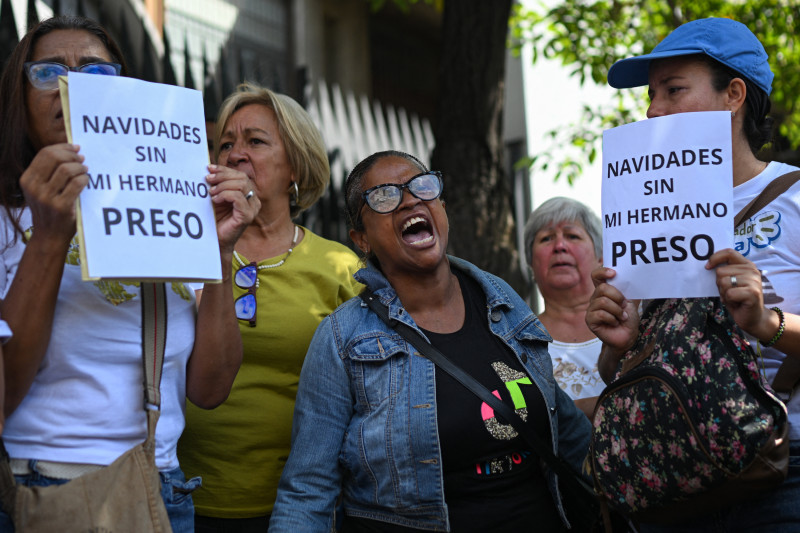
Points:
(717, 64)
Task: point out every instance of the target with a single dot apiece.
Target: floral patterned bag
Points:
(689, 425)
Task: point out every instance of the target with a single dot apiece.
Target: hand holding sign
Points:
(743, 298)
(610, 315)
(146, 212)
(612, 319)
(51, 185)
(667, 198)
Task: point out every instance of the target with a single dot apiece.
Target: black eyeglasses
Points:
(44, 74)
(387, 197)
(245, 305)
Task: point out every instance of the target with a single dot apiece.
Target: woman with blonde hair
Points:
(287, 279)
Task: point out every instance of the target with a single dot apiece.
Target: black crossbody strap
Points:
(440, 360)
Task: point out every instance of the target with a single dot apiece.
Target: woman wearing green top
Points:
(287, 279)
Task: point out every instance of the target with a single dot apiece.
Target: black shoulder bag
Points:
(585, 511)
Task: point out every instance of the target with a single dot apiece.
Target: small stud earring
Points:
(733, 113)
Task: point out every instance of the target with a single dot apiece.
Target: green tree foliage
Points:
(588, 36)
(467, 128)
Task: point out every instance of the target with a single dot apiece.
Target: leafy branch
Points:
(588, 36)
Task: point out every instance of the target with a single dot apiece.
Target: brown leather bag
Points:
(124, 497)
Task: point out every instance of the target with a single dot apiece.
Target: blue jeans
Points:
(175, 491)
(177, 495)
(778, 511)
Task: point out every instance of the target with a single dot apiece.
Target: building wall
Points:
(227, 42)
(373, 73)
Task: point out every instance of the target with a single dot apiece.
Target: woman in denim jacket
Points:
(406, 446)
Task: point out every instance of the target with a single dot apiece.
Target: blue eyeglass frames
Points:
(245, 305)
(386, 198)
(43, 75)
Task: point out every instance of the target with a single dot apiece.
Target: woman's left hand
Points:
(741, 290)
(233, 210)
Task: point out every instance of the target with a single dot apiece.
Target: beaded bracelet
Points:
(782, 326)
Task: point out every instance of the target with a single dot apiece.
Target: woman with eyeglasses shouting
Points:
(287, 279)
(73, 382)
(406, 445)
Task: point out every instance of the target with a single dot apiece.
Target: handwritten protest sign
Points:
(667, 200)
(146, 213)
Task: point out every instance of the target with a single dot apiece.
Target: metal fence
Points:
(354, 127)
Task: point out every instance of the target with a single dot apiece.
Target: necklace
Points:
(275, 265)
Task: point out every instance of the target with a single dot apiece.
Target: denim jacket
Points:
(365, 416)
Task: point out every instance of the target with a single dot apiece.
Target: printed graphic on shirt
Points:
(114, 291)
(759, 231)
(505, 463)
(770, 296)
(513, 379)
(569, 375)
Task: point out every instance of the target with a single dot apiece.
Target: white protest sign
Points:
(667, 200)
(146, 213)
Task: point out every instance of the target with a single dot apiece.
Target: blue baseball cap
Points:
(729, 42)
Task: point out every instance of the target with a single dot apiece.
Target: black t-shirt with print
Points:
(492, 480)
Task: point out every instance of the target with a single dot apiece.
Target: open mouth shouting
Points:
(417, 231)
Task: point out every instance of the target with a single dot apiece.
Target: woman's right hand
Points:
(610, 316)
(51, 185)
(613, 319)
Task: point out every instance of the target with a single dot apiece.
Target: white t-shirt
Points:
(575, 367)
(771, 240)
(5, 331)
(86, 404)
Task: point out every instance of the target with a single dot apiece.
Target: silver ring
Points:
(734, 283)
(249, 195)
